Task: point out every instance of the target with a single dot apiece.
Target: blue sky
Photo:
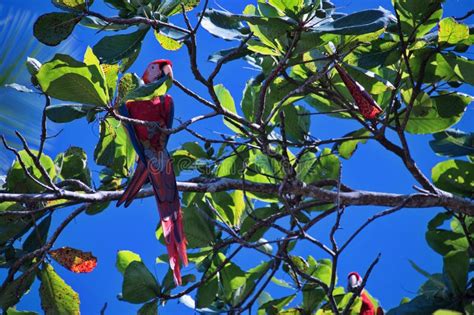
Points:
(399, 237)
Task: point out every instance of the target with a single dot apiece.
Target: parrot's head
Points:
(157, 69)
(354, 281)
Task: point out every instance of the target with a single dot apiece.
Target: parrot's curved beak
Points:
(168, 70)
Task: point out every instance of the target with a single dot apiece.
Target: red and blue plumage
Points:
(155, 164)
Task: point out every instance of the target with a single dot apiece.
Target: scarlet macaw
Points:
(366, 104)
(155, 165)
(354, 281)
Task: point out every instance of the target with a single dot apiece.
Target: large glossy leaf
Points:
(357, 23)
(231, 276)
(297, 123)
(197, 227)
(114, 149)
(171, 7)
(347, 148)
(70, 80)
(312, 168)
(434, 114)
(112, 49)
(19, 182)
(274, 306)
(74, 5)
(13, 292)
(252, 219)
(149, 91)
(73, 165)
(38, 235)
(124, 258)
(57, 297)
(139, 284)
(230, 206)
(455, 176)
(452, 32)
(12, 226)
(63, 113)
(455, 268)
(52, 28)
(227, 102)
(453, 142)
(419, 16)
(224, 25)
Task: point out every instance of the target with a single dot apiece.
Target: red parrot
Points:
(155, 165)
(366, 104)
(354, 281)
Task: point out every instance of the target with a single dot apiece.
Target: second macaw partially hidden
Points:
(354, 281)
(365, 103)
(155, 165)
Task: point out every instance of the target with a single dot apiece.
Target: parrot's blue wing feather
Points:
(131, 133)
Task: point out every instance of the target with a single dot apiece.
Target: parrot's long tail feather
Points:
(140, 176)
(164, 184)
(367, 106)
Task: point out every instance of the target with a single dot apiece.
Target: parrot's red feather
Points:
(140, 176)
(367, 307)
(159, 170)
(367, 106)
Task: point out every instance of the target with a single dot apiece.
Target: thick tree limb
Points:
(353, 198)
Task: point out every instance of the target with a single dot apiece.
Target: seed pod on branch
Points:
(366, 104)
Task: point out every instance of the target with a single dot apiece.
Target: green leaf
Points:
(150, 308)
(434, 114)
(13, 226)
(453, 143)
(151, 90)
(252, 219)
(227, 102)
(456, 267)
(56, 296)
(139, 285)
(289, 7)
(128, 82)
(75, 5)
(52, 28)
(452, 32)
(70, 80)
(63, 113)
(224, 25)
(38, 235)
(114, 149)
(418, 16)
(13, 292)
(198, 228)
(19, 182)
(297, 123)
(363, 22)
(347, 148)
(455, 176)
(274, 306)
(446, 312)
(231, 276)
(73, 165)
(311, 169)
(207, 292)
(230, 206)
(124, 258)
(167, 43)
(171, 7)
(99, 24)
(12, 311)
(112, 49)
